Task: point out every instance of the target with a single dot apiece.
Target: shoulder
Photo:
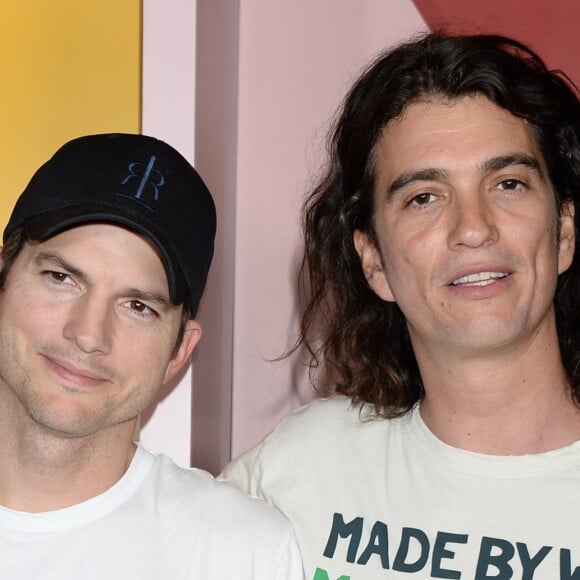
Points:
(323, 420)
(316, 421)
(310, 436)
(334, 413)
(253, 533)
(214, 525)
(197, 493)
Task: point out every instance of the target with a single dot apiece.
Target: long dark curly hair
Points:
(361, 341)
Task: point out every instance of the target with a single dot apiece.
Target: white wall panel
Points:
(168, 112)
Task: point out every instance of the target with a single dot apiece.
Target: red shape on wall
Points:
(549, 28)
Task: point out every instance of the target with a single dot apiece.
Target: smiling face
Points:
(469, 240)
(87, 330)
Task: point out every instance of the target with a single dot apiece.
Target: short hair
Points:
(361, 341)
(12, 249)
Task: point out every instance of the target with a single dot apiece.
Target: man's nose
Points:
(89, 325)
(473, 222)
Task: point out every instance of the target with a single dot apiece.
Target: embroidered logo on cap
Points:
(148, 182)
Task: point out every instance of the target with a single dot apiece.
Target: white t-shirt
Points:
(159, 521)
(376, 499)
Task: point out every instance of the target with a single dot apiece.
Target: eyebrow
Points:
(503, 161)
(58, 261)
(405, 179)
(493, 164)
(134, 293)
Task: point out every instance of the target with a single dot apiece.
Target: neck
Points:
(41, 470)
(509, 402)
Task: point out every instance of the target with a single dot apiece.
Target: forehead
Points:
(452, 135)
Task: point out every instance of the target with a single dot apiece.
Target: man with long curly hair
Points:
(442, 298)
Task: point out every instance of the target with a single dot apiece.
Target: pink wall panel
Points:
(296, 60)
(269, 76)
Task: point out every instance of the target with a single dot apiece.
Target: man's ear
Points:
(372, 266)
(567, 239)
(191, 336)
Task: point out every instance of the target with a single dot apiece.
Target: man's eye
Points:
(58, 278)
(422, 199)
(142, 309)
(510, 184)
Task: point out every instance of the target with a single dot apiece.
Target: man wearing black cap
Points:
(104, 262)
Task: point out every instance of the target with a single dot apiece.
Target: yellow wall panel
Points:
(68, 68)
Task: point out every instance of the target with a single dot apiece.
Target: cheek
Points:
(546, 249)
(403, 277)
(144, 353)
(26, 315)
(406, 258)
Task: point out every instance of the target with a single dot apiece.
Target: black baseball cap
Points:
(135, 181)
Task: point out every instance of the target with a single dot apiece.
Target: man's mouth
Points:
(479, 279)
(75, 374)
